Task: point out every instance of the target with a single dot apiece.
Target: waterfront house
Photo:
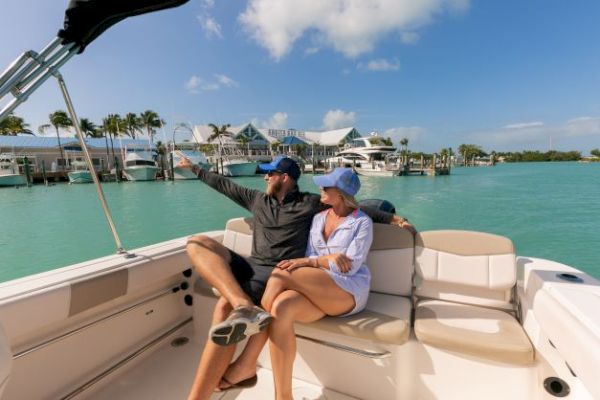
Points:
(44, 150)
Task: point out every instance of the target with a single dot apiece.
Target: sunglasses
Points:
(276, 173)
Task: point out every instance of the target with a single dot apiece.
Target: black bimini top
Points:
(85, 20)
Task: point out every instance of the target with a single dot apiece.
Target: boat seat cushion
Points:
(476, 331)
(386, 319)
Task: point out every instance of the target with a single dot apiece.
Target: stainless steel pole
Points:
(88, 159)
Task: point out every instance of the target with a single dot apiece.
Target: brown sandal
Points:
(244, 384)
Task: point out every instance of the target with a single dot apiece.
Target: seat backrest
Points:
(238, 236)
(466, 267)
(391, 260)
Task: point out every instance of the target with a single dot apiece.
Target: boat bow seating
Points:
(462, 278)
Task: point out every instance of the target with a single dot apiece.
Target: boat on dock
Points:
(368, 156)
(196, 157)
(140, 166)
(10, 175)
(79, 173)
(452, 314)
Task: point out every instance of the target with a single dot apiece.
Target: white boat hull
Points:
(140, 173)
(13, 180)
(80, 177)
(186, 173)
(240, 169)
(376, 172)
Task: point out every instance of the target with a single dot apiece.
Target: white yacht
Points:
(451, 314)
(9, 171)
(239, 166)
(196, 157)
(140, 166)
(368, 156)
(79, 172)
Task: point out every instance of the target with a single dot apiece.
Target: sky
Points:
(507, 75)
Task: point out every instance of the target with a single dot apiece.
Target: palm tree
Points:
(88, 128)
(112, 125)
(150, 120)
(132, 124)
(58, 119)
(218, 133)
(404, 146)
(13, 125)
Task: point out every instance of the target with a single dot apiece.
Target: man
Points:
(282, 220)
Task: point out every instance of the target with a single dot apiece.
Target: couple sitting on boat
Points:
(307, 261)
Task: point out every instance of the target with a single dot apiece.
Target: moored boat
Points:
(368, 156)
(9, 171)
(140, 166)
(79, 173)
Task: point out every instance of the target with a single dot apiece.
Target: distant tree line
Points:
(536, 156)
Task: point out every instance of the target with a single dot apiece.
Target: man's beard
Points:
(274, 188)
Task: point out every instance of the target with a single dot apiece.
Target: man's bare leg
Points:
(211, 261)
(214, 360)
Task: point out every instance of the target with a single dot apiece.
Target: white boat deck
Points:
(167, 373)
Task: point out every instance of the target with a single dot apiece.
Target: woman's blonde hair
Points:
(349, 201)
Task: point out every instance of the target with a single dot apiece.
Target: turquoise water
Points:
(549, 210)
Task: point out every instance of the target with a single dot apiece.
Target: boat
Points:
(140, 166)
(239, 166)
(196, 157)
(451, 315)
(368, 156)
(79, 172)
(9, 171)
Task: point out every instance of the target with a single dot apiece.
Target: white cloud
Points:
(196, 83)
(226, 81)
(351, 27)
(536, 134)
(311, 50)
(412, 133)
(335, 119)
(193, 83)
(210, 26)
(380, 65)
(523, 125)
(279, 120)
(410, 37)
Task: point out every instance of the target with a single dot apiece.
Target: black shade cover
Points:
(85, 20)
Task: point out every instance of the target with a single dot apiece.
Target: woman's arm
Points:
(357, 251)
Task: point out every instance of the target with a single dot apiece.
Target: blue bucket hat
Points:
(342, 178)
(283, 164)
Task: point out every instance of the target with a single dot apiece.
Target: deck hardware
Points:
(188, 299)
(187, 273)
(180, 341)
(348, 349)
(569, 277)
(184, 286)
(556, 387)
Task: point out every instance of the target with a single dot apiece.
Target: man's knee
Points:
(206, 243)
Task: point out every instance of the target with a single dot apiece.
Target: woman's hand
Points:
(294, 263)
(342, 261)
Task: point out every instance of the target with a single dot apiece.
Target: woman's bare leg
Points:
(288, 307)
(315, 284)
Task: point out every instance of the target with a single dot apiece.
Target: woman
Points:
(331, 280)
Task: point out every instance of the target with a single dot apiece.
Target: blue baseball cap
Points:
(342, 178)
(283, 164)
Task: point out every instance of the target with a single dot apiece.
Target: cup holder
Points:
(556, 387)
(569, 277)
